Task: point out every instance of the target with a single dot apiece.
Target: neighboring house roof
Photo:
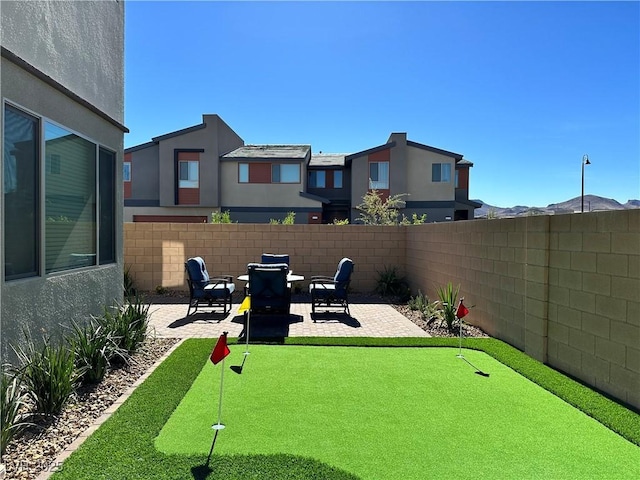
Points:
(179, 132)
(457, 156)
(289, 152)
(348, 158)
(464, 162)
(327, 159)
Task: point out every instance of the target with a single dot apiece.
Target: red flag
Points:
(220, 350)
(462, 310)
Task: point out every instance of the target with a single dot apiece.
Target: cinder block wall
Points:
(156, 252)
(565, 289)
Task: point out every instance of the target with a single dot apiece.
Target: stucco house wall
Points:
(63, 62)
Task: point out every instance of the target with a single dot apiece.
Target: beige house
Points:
(186, 175)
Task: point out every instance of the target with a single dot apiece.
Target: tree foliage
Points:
(374, 210)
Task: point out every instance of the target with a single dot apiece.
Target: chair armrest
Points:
(322, 278)
(222, 279)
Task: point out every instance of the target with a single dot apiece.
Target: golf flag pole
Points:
(220, 351)
(461, 312)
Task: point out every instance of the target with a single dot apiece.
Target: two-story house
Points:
(186, 175)
(62, 144)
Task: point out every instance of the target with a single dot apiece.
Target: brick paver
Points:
(367, 319)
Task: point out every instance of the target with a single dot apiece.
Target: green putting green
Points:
(396, 413)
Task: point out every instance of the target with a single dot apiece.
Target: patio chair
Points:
(268, 258)
(204, 289)
(332, 291)
(268, 288)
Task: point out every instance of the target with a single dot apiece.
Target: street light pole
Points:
(585, 161)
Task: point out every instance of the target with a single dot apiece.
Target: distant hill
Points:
(592, 203)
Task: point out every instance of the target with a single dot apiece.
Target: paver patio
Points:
(368, 319)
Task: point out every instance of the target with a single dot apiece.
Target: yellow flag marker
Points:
(245, 305)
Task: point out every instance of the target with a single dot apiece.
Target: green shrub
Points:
(12, 403)
(221, 217)
(160, 290)
(290, 219)
(430, 310)
(129, 287)
(48, 373)
(418, 302)
(448, 303)
(389, 284)
(127, 324)
(340, 222)
(94, 348)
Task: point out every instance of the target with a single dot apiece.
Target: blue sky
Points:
(521, 89)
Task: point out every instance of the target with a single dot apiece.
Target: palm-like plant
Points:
(448, 303)
(48, 373)
(12, 403)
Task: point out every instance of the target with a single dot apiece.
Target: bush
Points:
(129, 287)
(448, 303)
(430, 310)
(94, 348)
(221, 217)
(389, 284)
(127, 324)
(48, 374)
(290, 219)
(419, 302)
(12, 403)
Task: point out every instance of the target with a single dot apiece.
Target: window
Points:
(107, 195)
(21, 189)
(59, 200)
(379, 175)
(337, 179)
(188, 174)
(243, 173)
(285, 173)
(317, 179)
(441, 172)
(126, 171)
(70, 201)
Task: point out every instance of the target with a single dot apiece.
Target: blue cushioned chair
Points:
(332, 291)
(274, 258)
(204, 289)
(268, 288)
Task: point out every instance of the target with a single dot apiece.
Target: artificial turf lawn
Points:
(123, 447)
(394, 413)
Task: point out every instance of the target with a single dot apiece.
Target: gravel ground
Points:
(439, 329)
(37, 448)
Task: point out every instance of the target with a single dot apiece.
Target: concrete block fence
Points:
(565, 289)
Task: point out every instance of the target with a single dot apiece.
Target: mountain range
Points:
(592, 203)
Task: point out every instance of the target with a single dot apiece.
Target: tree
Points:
(376, 211)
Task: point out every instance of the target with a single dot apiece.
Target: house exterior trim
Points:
(177, 133)
(421, 146)
(43, 77)
(369, 151)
